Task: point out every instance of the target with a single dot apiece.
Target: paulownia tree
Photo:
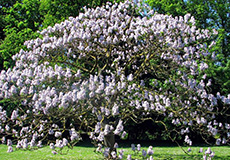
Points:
(95, 72)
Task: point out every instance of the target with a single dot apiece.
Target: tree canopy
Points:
(109, 65)
(208, 14)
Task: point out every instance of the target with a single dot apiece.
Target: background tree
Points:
(2, 21)
(2, 13)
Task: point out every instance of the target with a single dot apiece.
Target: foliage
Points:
(208, 14)
(20, 21)
(107, 66)
(4, 3)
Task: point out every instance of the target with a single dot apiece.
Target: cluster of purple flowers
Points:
(93, 66)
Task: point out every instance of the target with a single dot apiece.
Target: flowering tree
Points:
(108, 65)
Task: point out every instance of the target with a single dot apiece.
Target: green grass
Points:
(86, 151)
(79, 152)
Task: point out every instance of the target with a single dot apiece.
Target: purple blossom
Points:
(19, 145)
(24, 144)
(201, 150)
(9, 142)
(150, 151)
(107, 129)
(10, 149)
(59, 144)
(123, 134)
(150, 158)
(101, 136)
(3, 140)
(99, 148)
(39, 144)
(65, 142)
(115, 110)
(114, 154)
(212, 154)
(106, 152)
(116, 145)
(32, 143)
(129, 157)
(73, 135)
(97, 127)
(57, 134)
(144, 153)
(138, 147)
(208, 151)
(133, 147)
(119, 127)
(52, 146)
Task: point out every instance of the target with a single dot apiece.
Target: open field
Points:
(86, 151)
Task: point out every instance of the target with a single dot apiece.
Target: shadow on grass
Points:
(127, 143)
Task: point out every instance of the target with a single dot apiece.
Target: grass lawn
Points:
(86, 151)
